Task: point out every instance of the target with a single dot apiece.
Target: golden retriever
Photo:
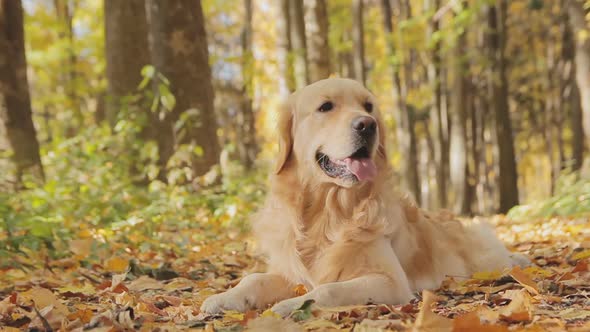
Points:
(334, 222)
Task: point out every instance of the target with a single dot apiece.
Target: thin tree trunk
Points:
(318, 50)
(582, 58)
(570, 94)
(65, 10)
(439, 125)
(179, 51)
(15, 102)
(287, 79)
(358, 32)
(459, 169)
(247, 145)
(298, 43)
(507, 177)
(405, 132)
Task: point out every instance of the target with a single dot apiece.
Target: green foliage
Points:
(572, 198)
(92, 187)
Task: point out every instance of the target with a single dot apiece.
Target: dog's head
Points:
(332, 131)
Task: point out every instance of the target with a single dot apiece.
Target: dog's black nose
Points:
(364, 125)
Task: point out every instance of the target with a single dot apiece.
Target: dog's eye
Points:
(368, 106)
(326, 107)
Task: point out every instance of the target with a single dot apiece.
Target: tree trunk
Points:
(298, 43)
(582, 59)
(179, 51)
(126, 51)
(439, 119)
(358, 48)
(246, 123)
(318, 50)
(287, 80)
(15, 103)
(405, 131)
(507, 176)
(64, 10)
(459, 150)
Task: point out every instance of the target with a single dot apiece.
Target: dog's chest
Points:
(319, 235)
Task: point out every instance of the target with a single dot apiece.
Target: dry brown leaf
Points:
(42, 298)
(144, 283)
(523, 278)
(81, 247)
(581, 266)
(519, 309)
(428, 320)
(473, 322)
(265, 324)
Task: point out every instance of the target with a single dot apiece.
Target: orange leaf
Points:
(300, 289)
(581, 266)
(472, 322)
(519, 275)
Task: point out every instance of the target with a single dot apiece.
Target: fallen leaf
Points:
(572, 313)
(266, 324)
(520, 307)
(81, 247)
(144, 283)
(428, 320)
(300, 289)
(487, 275)
(270, 313)
(519, 275)
(581, 255)
(581, 266)
(42, 298)
(84, 289)
(303, 312)
(472, 322)
(378, 324)
(116, 264)
(233, 315)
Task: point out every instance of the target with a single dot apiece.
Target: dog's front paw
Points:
(218, 303)
(286, 307)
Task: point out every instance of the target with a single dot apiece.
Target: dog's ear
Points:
(285, 130)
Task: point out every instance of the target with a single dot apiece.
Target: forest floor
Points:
(122, 283)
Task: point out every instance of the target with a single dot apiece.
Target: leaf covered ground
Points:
(158, 281)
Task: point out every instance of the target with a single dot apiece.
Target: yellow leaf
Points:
(233, 315)
(581, 255)
(270, 313)
(116, 264)
(86, 289)
(487, 275)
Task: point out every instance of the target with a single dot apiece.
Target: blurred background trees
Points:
(487, 102)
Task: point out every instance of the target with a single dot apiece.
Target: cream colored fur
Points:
(349, 243)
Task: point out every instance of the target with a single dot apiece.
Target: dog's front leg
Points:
(255, 291)
(362, 290)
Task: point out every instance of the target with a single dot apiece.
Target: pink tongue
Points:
(364, 169)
